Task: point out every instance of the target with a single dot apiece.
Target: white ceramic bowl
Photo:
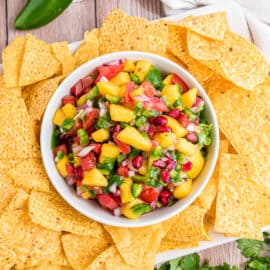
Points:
(91, 209)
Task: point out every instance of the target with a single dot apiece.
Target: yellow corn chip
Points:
(36, 126)
(110, 258)
(17, 138)
(81, 251)
(209, 193)
(7, 257)
(120, 32)
(30, 174)
(63, 55)
(8, 93)
(237, 195)
(32, 243)
(188, 226)
(166, 245)
(51, 211)
(12, 58)
(89, 49)
(7, 191)
(211, 25)
(38, 95)
(126, 238)
(50, 267)
(38, 62)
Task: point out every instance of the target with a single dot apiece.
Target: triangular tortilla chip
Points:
(38, 62)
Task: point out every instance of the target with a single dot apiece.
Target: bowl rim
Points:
(123, 221)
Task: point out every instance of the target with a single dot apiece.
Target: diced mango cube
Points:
(120, 79)
(108, 88)
(122, 90)
(171, 92)
(69, 110)
(143, 169)
(82, 100)
(165, 139)
(101, 135)
(185, 147)
(183, 190)
(109, 151)
(189, 97)
(139, 91)
(77, 161)
(168, 80)
(133, 137)
(142, 68)
(59, 117)
(197, 161)
(176, 127)
(94, 178)
(86, 195)
(129, 66)
(125, 191)
(120, 113)
(61, 166)
(127, 211)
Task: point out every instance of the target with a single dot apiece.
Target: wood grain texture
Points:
(150, 9)
(83, 15)
(3, 29)
(70, 26)
(227, 253)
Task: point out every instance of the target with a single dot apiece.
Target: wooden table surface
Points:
(83, 15)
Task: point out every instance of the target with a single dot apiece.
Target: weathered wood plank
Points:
(3, 29)
(150, 9)
(70, 26)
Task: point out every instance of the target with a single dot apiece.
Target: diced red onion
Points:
(117, 212)
(70, 180)
(115, 62)
(103, 79)
(130, 165)
(154, 204)
(172, 165)
(79, 192)
(124, 163)
(141, 98)
(86, 150)
(131, 173)
(76, 148)
(113, 187)
(190, 127)
(117, 192)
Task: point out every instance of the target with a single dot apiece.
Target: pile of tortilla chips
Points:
(38, 230)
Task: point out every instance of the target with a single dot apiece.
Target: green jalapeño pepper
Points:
(37, 13)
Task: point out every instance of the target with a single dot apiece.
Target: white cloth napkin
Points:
(257, 14)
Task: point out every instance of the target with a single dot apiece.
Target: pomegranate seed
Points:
(137, 162)
(160, 121)
(171, 165)
(165, 175)
(196, 121)
(151, 120)
(175, 113)
(183, 119)
(164, 197)
(79, 172)
(187, 166)
(164, 201)
(151, 132)
(159, 163)
(163, 129)
(191, 137)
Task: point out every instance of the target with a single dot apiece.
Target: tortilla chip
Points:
(32, 243)
(167, 245)
(7, 191)
(63, 55)
(12, 58)
(7, 257)
(36, 126)
(50, 267)
(8, 93)
(30, 174)
(247, 128)
(38, 95)
(108, 258)
(211, 213)
(211, 25)
(121, 32)
(81, 251)
(147, 238)
(51, 211)
(38, 62)
(89, 49)
(237, 195)
(209, 193)
(17, 138)
(188, 226)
